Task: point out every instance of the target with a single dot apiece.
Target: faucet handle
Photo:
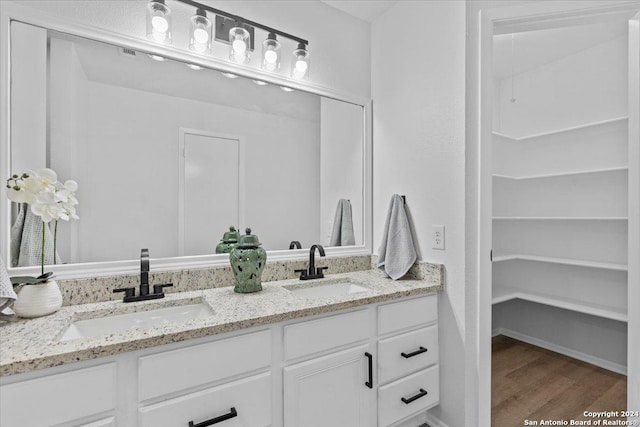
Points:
(319, 271)
(157, 289)
(128, 292)
(303, 272)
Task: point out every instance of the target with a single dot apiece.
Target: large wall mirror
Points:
(167, 156)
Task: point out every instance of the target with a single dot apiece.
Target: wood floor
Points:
(531, 383)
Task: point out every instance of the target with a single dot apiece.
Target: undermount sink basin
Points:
(327, 290)
(149, 318)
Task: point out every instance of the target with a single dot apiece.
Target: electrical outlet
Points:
(437, 237)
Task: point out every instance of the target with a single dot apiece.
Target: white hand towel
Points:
(7, 295)
(397, 252)
(342, 234)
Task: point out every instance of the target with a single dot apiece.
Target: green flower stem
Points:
(42, 252)
(55, 241)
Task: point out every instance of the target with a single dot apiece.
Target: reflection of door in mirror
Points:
(204, 204)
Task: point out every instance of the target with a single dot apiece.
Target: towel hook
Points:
(404, 199)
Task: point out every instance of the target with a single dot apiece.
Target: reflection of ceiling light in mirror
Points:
(286, 89)
(157, 57)
(229, 75)
(260, 82)
(194, 66)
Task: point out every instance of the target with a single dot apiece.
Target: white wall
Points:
(338, 43)
(589, 86)
(418, 95)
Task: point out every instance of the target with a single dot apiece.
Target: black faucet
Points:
(130, 293)
(295, 245)
(313, 272)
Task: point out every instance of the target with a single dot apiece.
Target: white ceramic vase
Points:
(38, 300)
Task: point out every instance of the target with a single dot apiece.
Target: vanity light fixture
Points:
(228, 28)
(271, 53)
(200, 41)
(300, 62)
(159, 21)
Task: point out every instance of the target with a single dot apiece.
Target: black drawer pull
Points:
(370, 382)
(232, 413)
(415, 353)
(422, 393)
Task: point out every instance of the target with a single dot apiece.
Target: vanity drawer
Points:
(305, 338)
(177, 370)
(407, 314)
(107, 422)
(393, 364)
(249, 397)
(420, 391)
(59, 398)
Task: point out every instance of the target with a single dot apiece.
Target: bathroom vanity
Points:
(278, 357)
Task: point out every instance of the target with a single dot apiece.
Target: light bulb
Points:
(270, 56)
(158, 21)
(286, 89)
(200, 35)
(260, 82)
(271, 53)
(157, 57)
(230, 75)
(160, 24)
(239, 39)
(239, 46)
(194, 67)
(301, 66)
(300, 62)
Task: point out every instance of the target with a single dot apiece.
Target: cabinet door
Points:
(329, 391)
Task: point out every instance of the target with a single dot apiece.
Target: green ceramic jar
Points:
(228, 242)
(247, 262)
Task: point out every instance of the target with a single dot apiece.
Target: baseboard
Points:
(496, 332)
(434, 421)
(602, 363)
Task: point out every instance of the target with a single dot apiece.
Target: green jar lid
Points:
(231, 236)
(248, 240)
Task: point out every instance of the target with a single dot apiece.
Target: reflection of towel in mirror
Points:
(7, 295)
(26, 240)
(342, 234)
(397, 251)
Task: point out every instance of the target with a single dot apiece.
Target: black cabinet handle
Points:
(232, 413)
(422, 393)
(415, 353)
(370, 382)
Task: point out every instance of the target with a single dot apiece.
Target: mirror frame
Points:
(14, 12)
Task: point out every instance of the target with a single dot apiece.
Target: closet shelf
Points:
(561, 174)
(502, 294)
(563, 261)
(559, 218)
(559, 131)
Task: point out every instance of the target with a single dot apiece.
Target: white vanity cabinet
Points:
(371, 366)
(334, 389)
(62, 398)
(407, 359)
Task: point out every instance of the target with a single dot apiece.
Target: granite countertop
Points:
(27, 345)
